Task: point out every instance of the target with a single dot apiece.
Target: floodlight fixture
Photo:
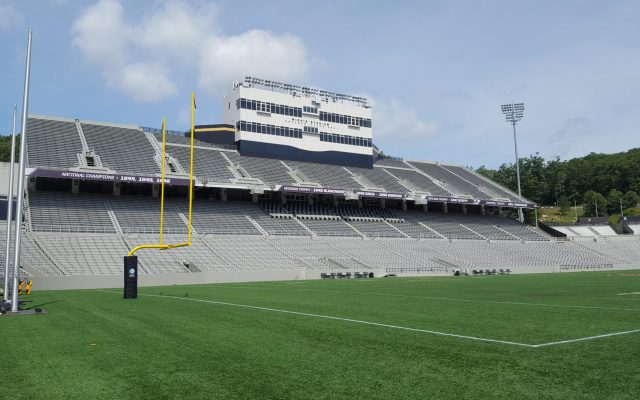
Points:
(513, 113)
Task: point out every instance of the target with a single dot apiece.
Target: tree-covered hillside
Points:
(603, 179)
(5, 148)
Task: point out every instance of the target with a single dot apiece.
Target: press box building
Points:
(291, 122)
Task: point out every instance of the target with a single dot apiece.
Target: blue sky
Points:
(436, 71)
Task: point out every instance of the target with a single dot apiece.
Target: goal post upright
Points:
(191, 183)
(162, 174)
(130, 260)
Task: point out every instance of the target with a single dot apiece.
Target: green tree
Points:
(486, 172)
(595, 204)
(546, 181)
(555, 176)
(630, 199)
(5, 148)
(613, 201)
(565, 204)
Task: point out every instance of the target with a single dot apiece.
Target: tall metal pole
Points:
(21, 168)
(515, 144)
(7, 254)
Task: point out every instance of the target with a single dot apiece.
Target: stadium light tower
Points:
(513, 113)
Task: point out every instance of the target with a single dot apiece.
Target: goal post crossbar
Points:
(161, 245)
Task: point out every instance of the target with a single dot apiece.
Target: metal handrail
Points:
(72, 228)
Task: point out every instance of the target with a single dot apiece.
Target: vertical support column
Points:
(483, 210)
(383, 203)
(310, 199)
(425, 207)
(254, 197)
(500, 211)
(404, 205)
(464, 208)
(155, 190)
(75, 186)
(445, 208)
(223, 195)
(116, 188)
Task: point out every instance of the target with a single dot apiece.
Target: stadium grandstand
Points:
(289, 186)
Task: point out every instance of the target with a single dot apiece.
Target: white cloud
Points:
(256, 52)
(393, 118)
(8, 15)
(144, 58)
(143, 82)
(102, 35)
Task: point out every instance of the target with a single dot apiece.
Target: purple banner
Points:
(514, 204)
(96, 176)
(381, 195)
(306, 189)
(340, 192)
(495, 203)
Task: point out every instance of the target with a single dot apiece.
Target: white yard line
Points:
(517, 303)
(585, 338)
(357, 321)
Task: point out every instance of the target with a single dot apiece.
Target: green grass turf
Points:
(94, 344)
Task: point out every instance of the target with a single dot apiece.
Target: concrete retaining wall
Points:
(198, 278)
(195, 278)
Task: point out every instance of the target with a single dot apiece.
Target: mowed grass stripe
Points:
(507, 322)
(366, 293)
(378, 324)
(94, 345)
(356, 321)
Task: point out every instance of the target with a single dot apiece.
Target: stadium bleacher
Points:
(481, 182)
(121, 149)
(452, 182)
(378, 178)
(576, 230)
(270, 171)
(58, 211)
(330, 176)
(44, 152)
(208, 164)
(88, 233)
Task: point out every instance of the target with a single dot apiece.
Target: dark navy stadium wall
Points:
(3, 209)
(227, 137)
(258, 149)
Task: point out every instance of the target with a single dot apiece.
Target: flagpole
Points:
(7, 254)
(20, 193)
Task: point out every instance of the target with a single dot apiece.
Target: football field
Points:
(546, 336)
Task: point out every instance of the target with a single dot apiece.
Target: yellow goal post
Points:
(161, 245)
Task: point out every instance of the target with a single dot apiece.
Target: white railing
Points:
(73, 228)
(147, 230)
